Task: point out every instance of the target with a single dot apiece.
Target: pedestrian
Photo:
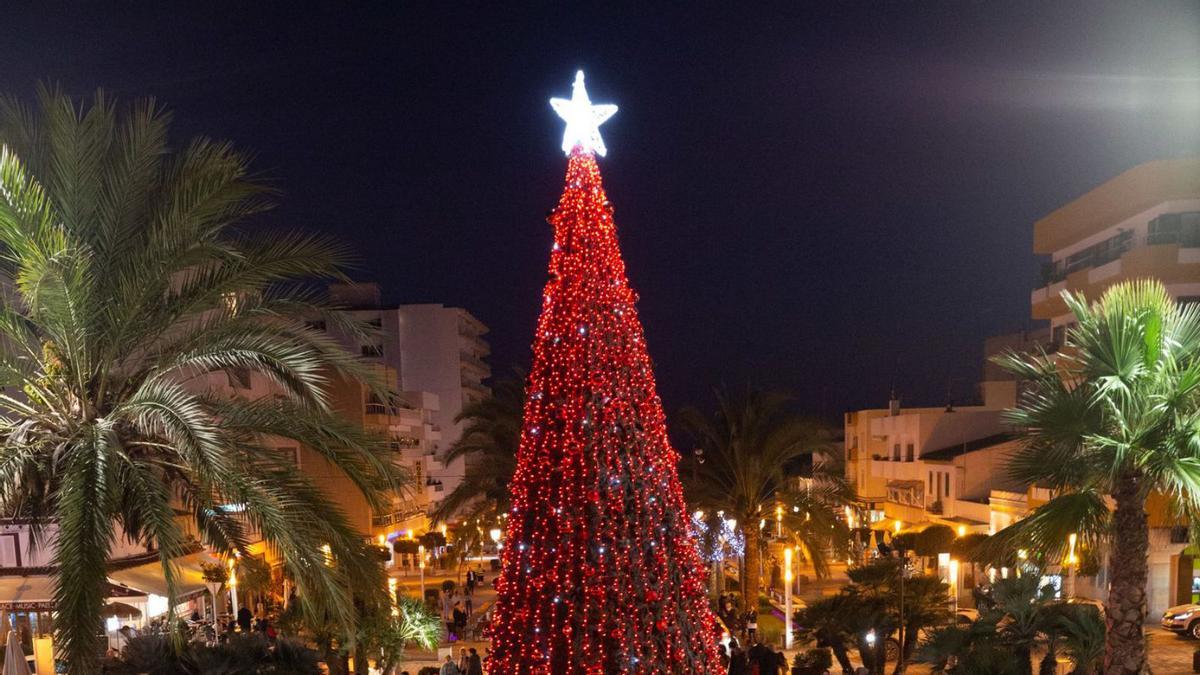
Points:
(448, 668)
(462, 660)
(244, 619)
(474, 663)
(738, 664)
(460, 619)
(751, 626)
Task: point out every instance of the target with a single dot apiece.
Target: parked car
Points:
(1183, 619)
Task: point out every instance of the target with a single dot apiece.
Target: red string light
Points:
(600, 569)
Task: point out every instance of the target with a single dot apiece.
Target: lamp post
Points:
(391, 584)
(1071, 565)
(954, 586)
(421, 564)
(787, 598)
(233, 588)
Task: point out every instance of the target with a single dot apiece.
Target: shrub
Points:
(812, 662)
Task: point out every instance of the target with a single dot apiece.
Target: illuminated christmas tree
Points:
(600, 570)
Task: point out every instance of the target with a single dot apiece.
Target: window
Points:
(376, 322)
(375, 406)
(908, 453)
(946, 492)
(10, 550)
(931, 482)
(1175, 228)
(372, 350)
(292, 454)
(316, 325)
(896, 452)
(1059, 336)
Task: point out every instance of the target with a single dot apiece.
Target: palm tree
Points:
(490, 441)
(926, 603)
(1081, 631)
(747, 448)
(826, 622)
(1115, 413)
(131, 283)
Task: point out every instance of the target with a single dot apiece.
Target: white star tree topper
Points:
(583, 119)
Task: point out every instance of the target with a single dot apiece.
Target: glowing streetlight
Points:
(779, 521)
(391, 583)
(962, 530)
(954, 586)
(897, 525)
(495, 534)
(421, 564)
(787, 598)
(232, 583)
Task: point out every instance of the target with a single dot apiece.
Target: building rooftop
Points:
(958, 449)
(1117, 199)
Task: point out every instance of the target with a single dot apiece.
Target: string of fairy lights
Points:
(601, 573)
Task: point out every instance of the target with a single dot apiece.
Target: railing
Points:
(1057, 271)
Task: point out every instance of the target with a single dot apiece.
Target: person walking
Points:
(474, 663)
(448, 668)
(460, 620)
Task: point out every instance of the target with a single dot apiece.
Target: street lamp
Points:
(954, 586)
(232, 582)
(495, 534)
(779, 521)
(787, 598)
(421, 564)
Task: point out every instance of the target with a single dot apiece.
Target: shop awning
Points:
(28, 593)
(148, 577)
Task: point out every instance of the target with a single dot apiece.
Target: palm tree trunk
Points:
(750, 572)
(842, 656)
(1049, 663)
(1125, 648)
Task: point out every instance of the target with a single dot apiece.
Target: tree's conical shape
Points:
(600, 570)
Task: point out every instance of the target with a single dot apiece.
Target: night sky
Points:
(825, 200)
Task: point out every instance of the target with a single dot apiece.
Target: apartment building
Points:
(431, 348)
(1142, 223)
(917, 466)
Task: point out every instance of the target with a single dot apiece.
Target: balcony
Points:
(472, 362)
(1177, 229)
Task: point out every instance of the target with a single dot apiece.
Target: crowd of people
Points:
(469, 663)
(759, 659)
